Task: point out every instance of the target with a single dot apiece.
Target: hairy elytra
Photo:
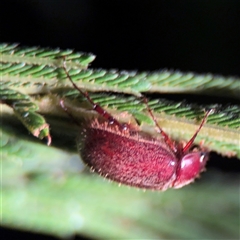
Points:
(118, 152)
(136, 160)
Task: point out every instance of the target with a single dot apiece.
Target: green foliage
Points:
(45, 189)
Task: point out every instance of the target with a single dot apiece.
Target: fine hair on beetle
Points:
(119, 152)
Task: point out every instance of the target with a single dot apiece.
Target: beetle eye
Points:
(203, 156)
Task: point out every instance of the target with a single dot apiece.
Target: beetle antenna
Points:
(167, 139)
(190, 142)
(95, 106)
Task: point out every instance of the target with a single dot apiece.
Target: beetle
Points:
(120, 153)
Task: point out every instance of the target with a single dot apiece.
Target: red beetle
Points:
(127, 156)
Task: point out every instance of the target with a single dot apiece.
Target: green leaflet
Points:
(26, 67)
(26, 112)
(12, 53)
(179, 120)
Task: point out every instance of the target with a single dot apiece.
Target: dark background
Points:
(200, 36)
